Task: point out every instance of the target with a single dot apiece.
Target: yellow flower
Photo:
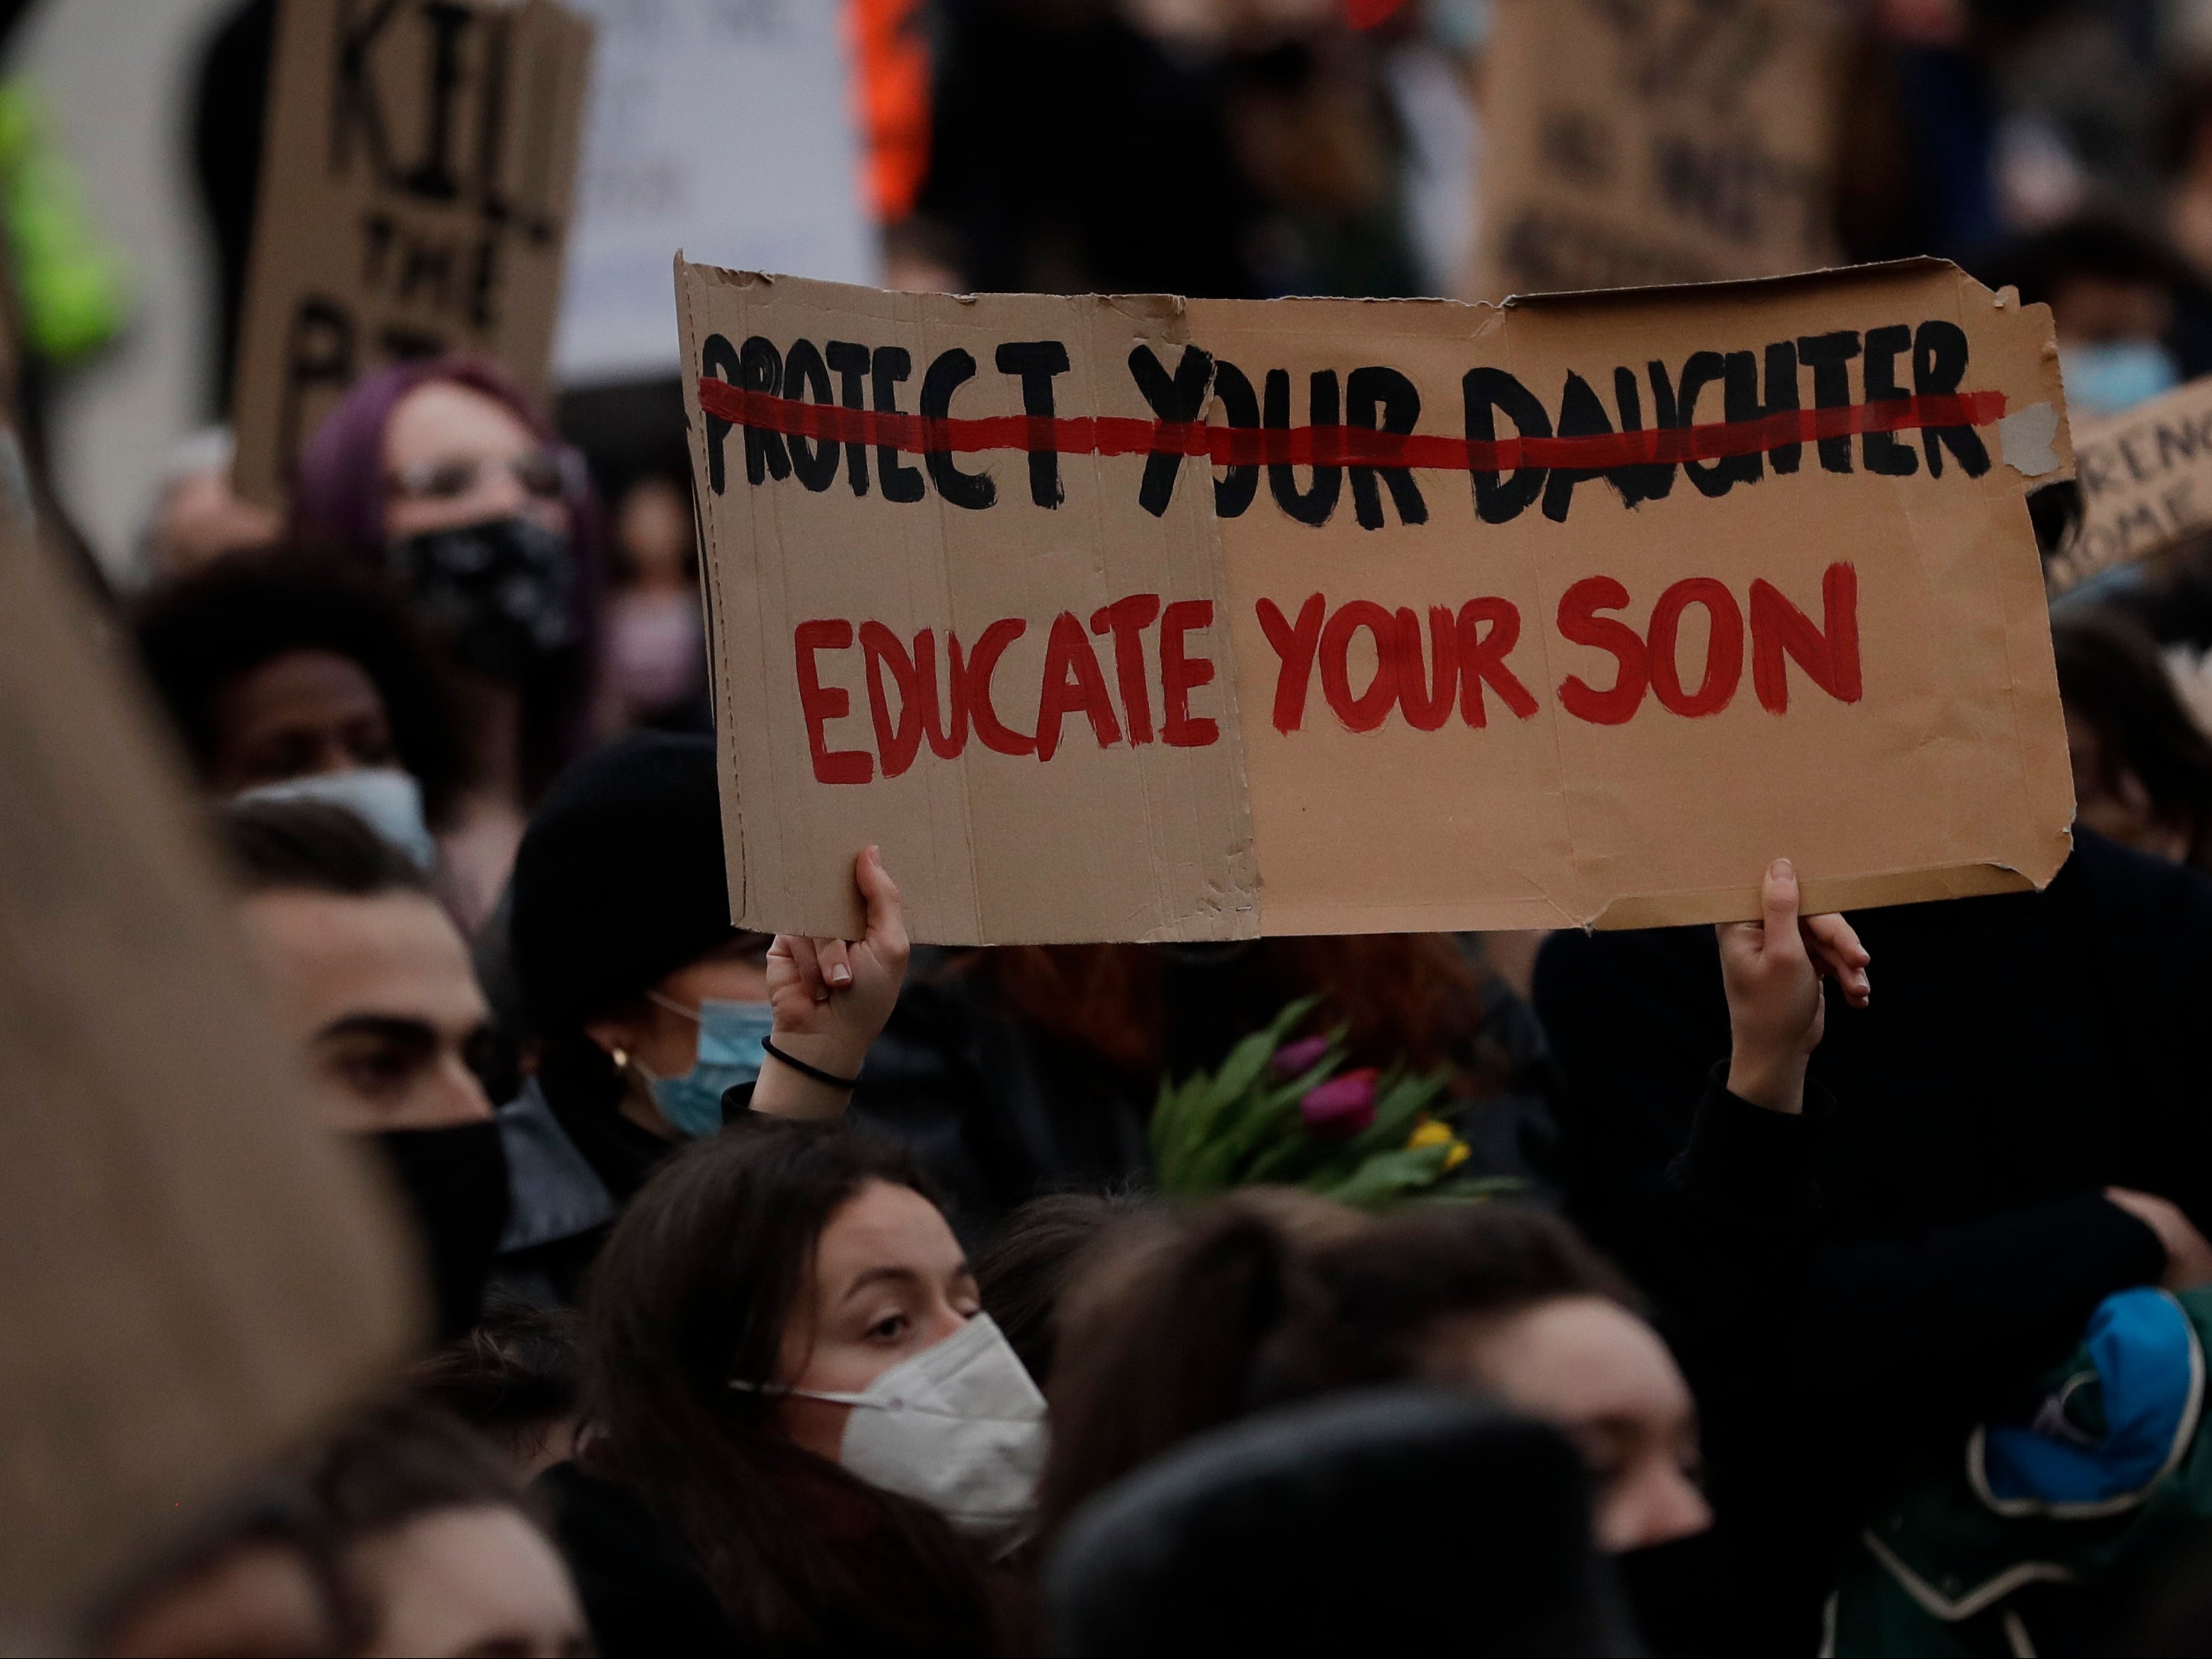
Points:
(1431, 1133)
(1459, 1154)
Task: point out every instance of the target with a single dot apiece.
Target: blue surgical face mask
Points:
(2115, 375)
(388, 800)
(729, 1038)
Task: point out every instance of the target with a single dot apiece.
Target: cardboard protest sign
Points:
(415, 187)
(2145, 478)
(688, 96)
(1144, 618)
(192, 1269)
(1658, 141)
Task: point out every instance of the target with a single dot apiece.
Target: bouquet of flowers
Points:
(1286, 1113)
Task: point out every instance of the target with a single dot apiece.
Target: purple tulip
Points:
(1297, 1059)
(1341, 1108)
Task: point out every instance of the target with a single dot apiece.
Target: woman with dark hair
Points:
(1191, 1320)
(441, 472)
(787, 1358)
(1188, 1320)
(788, 1375)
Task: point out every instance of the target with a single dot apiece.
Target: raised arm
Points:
(831, 998)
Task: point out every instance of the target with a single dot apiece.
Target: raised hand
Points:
(831, 998)
(1772, 970)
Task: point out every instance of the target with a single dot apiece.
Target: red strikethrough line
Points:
(1337, 445)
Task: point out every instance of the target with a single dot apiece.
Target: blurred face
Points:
(2112, 801)
(299, 713)
(258, 1599)
(379, 994)
(653, 526)
(890, 1281)
(2097, 310)
(453, 456)
(477, 1581)
(1593, 1370)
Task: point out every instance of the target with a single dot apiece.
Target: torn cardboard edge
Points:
(2029, 440)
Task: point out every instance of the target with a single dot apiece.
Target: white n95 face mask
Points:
(959, 1427)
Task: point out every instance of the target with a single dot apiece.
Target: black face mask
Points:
(506, 589)
(1681, 1596)
(455, 1183)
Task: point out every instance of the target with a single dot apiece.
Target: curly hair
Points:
(199, 635)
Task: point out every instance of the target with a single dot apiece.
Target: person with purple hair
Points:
(440, 472)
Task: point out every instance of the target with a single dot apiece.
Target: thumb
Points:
(886, 914)
(1778, 901)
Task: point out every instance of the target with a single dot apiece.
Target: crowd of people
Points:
(1660, 1291)
(806, 1294)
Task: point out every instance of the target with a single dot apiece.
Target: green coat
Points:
(2106, 1466)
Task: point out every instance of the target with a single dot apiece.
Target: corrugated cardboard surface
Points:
(1128, 842)
(1946, 775)
(416, 173)
(191, 1270)
(1658, 141)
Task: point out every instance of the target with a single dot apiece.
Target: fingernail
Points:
(840, 976)
(1783, 867)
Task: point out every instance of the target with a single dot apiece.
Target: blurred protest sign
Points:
(1630, 142)
(1143, 619)
(414, 190)
(689, 99)
(193, 1270)
(2146, 480)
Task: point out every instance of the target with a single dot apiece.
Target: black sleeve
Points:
(1909, 1342)
(1737, 1228)
(1824, 1372)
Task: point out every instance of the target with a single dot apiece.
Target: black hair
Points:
(512, 1376)
(1021, 1272)
(693, 1289)
(311, 846)
(2096, 246)
(2111, 674)
(201, 633)
(1241, 1303)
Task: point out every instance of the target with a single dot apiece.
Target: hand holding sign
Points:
(1772, 969)
(831, 998)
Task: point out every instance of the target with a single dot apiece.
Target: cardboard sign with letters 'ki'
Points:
(1146, 618)
(416, 182)
(1658, 141)
(2145, 478)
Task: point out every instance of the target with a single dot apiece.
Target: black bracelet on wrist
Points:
(805, 1070)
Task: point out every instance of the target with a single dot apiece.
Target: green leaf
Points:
(1230, 1120)
(1391, 1175)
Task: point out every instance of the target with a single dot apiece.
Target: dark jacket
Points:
(1828, 1373)
(2020, 1048)
(1850, 1290)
